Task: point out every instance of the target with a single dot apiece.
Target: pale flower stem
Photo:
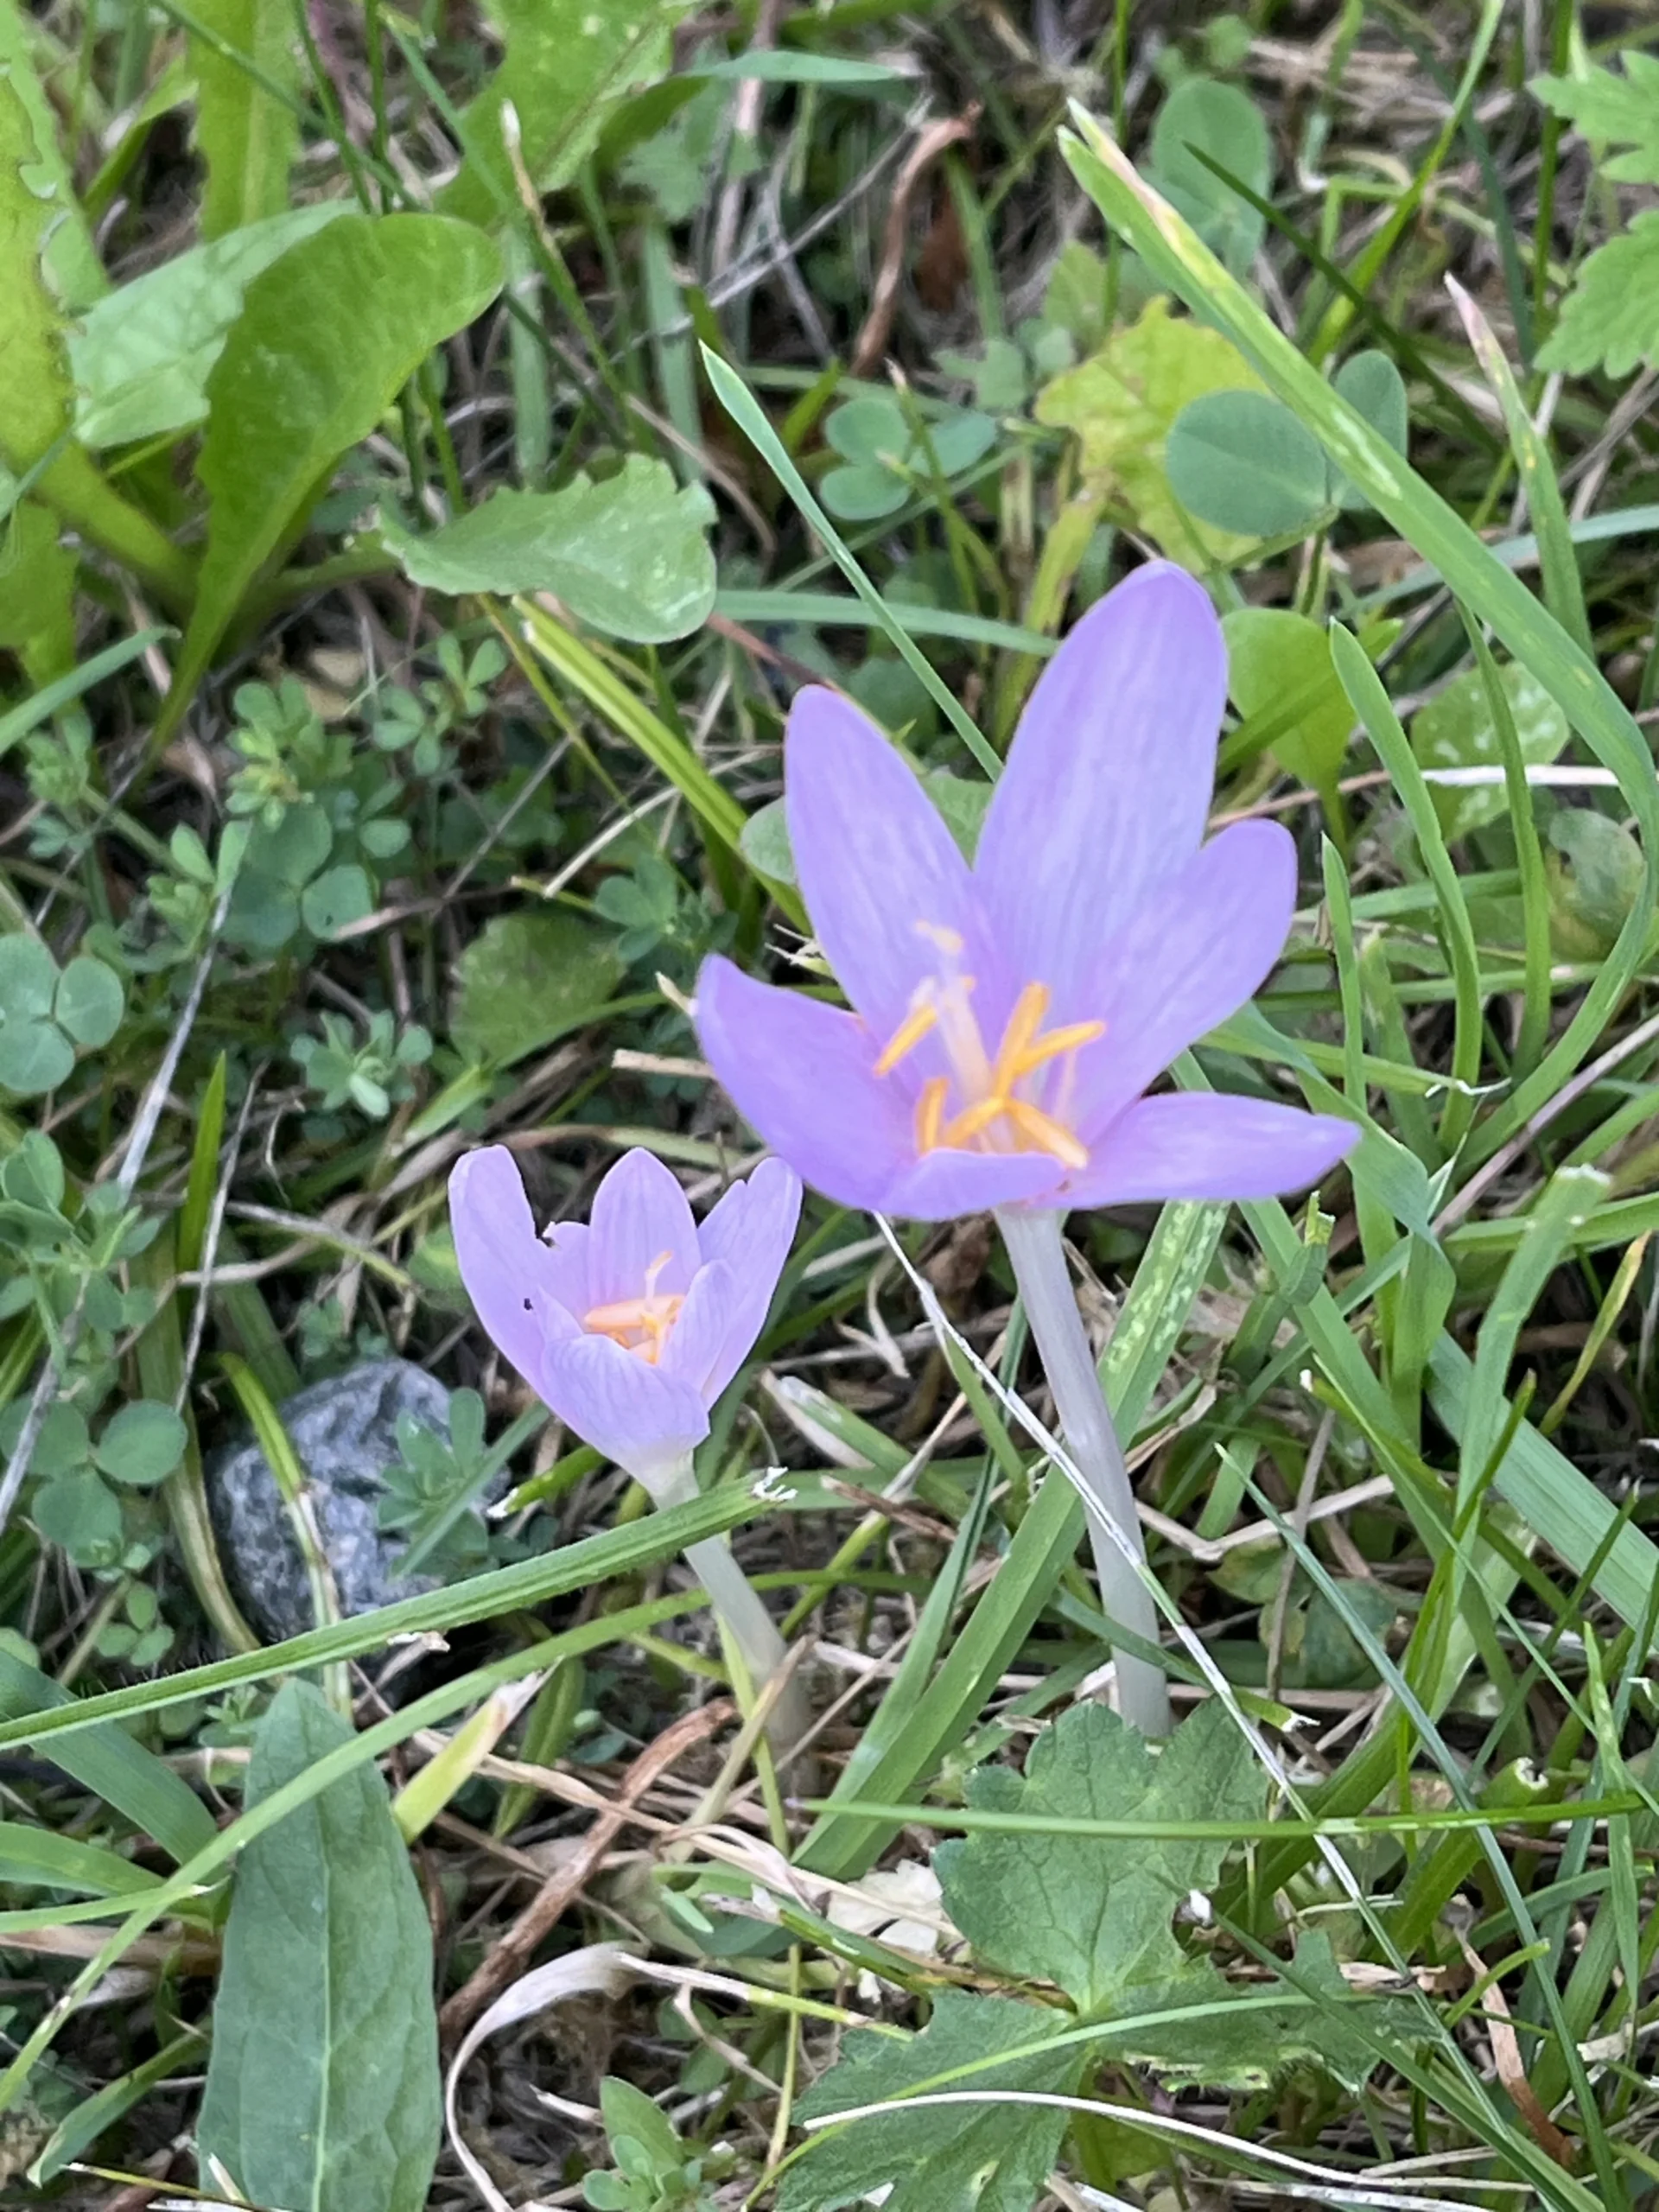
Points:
(742, 1617)
(1085, 1420)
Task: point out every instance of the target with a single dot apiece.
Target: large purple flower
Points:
(1008, 1016)
(629, 1327)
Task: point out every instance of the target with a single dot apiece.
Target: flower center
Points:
(995, 1112)
(640, 1325)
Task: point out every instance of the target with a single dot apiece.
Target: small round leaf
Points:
(77, 1513)
(28, 975)
(1242, 461)
(90, 1001)
(141, 1444)
(339, 897)
(863, 493)
(34, 1056)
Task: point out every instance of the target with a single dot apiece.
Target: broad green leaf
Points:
(104, 1758)
(1456, 730)
(1203, 117)
(34, 374)
(628, 553)
(1609, 319)
(322, 2089)
(1617, 111)
(568, 63)
(1091, 1915)
(1241, 462)
(527, 979)
(1121, 402)
(90, 1002)
(69, 253)
(1594, 868)
(1280, 669)
(62, 1442)
(141, 356)
(142, 1444)
(986, 2157)
(246, 132)
(37, 588)
(870, 427)
(327, 336)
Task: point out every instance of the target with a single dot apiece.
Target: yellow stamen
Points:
(930, 1113)
(1056, 1042)
(1044, 1133)
(973, 1119)
(638, 1325)
(909, 1034)
(1029, 1009)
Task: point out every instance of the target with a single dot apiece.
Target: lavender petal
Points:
(1197, 1145)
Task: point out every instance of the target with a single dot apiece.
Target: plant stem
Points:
(752, 1632)
(1040, 1269)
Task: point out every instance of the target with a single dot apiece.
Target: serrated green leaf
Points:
(90, 1002)
(1619, 110)
(247, 133)
(567, 64)
(1214, 2040)
(327, 336)
(980, 2157)
(1092, 1916)
(1456, 730)
(628, 553)
(141, 356)
(1611, 317)
(322, 2089)
(1241, 462)
(1121, 402)
(527, 979)
(142, 1444)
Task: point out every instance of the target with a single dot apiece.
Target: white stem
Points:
(742, 1617)
(1040, 1269)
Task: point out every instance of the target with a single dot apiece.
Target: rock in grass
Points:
(344, 1430)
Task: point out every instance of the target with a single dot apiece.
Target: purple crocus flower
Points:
(630, 1326)
(1009, 1016)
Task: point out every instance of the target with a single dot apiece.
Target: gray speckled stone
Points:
(344, 1430)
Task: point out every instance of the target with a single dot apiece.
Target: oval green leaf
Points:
(1243, 462)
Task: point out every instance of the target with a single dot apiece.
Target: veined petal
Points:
(638, 1417)
(800, 1072)
(694, 1343)
(749, 1233)
(567, 1244)
(639, 1213)
(1107, 782)
(1199, 949)
(1201, 1145)
(945, 1183)
(876, 864)
(509, 1273)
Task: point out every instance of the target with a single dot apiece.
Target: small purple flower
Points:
(1008, 1016)
(629, 1327)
